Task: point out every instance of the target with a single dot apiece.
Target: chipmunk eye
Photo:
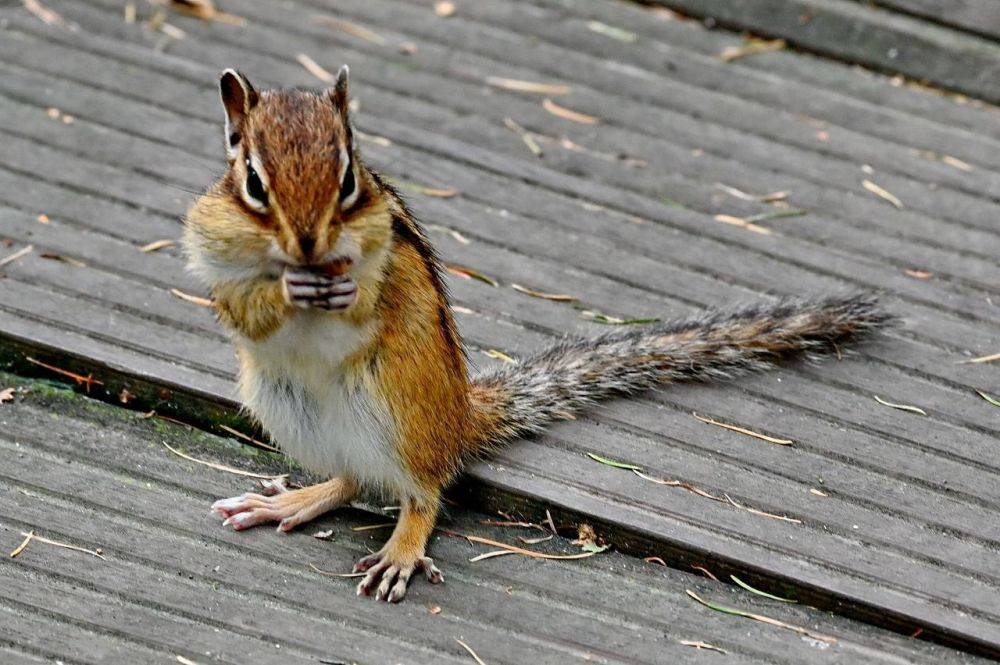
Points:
(347, 188)
(256, 193)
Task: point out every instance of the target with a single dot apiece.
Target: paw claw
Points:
(392, 576)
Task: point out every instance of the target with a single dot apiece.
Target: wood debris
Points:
(87, 381)
(157, 245)
(655, 559)
(882, 193)
(24, 251)
(916, 273)
(702, 645)
(373, 527)
(519, 85)
(444, 9)
(329, 574)
(222, 467)
(46, 15)
(323, 535)
(455, 235)
(314, 68)
(901, 407)
(956, 163)
(475, 656)
(773, 197)
(43, 219)
(248, 439)
(606, 319)
(614, 32)
(185, 661)
(526, 136)
(678, 483)
(751, 47)
(434, 609)
(350, 28)
(743, 430)
(129, 13)
(197, 300)
(6, 395)
(31, 537)
(568, 114)
(989, 398)
(557, 297)
(500, 355)
(762, 513)
(763, 619)
(514, 549)
(206, 10)
(982, 359)
(816, 492)
(705, 571)
(469, 273)
(742, 223)
(63, 259)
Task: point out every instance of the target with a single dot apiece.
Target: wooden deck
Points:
(890, 516)
(172, 583)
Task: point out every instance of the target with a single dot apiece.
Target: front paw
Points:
(309, 289)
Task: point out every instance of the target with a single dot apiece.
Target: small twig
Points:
(981, 359)
(761, 512)
(32, 536)
(24, 251)
(525, 135)
(222, 467)
(248, 439)
(88, 380)
(708, 573)
(24, 543)
(514, 549)
(703, 645)
(472, 653)
(901, 407)
(743, 430)
(329, 574)
(763, 619)
(373, 527)
(197, 300)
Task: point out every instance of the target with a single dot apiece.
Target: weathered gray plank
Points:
(259, 592)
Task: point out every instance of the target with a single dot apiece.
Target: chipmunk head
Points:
(295, 192)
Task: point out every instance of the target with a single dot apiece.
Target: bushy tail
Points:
(514, 400)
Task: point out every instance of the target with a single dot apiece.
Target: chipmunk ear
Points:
(238, 98)
(338, 94)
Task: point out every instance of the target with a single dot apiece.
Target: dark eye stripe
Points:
(255, 187)
(348, 186)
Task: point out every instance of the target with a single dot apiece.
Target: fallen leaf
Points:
(64, 259)
(742, 223)
(6, 395)
(568, 114)
(982, 359)
(528, 86)
(24, 251)
(469, 273)
(955, 162)
(558, 297)
(444, 9)
(743, 430)
(197, 300)
(763, 619)
(46, 15)
(989, 398)
(880, 192)
(751, 47)
(500, 355)
(901, 407)
(157, 245)
(620, 34)
(314, 68)
(610, 462)
(352, 29)
(525, 135)
(702, 645)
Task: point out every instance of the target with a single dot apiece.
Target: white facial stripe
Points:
(347, 162)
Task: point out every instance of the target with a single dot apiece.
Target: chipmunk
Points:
(349, 354)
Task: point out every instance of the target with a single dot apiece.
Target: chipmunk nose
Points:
(307, 244)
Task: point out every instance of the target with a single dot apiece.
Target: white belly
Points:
(329, 423)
